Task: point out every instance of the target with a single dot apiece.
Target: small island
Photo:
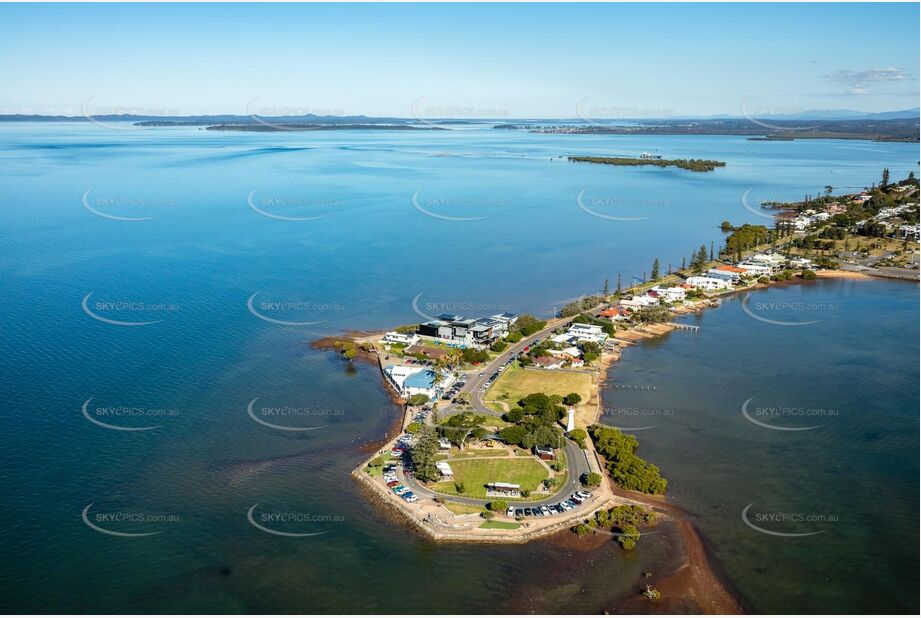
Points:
(694, 165)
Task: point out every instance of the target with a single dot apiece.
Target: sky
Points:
(458, 60)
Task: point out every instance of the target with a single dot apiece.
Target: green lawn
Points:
(515, 383)
(500, 525)
(462, 509)
(475, 473)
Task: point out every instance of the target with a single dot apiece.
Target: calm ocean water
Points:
(472, 221)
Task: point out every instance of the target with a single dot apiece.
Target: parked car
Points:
(528, 512)
(544, 510)
(519, 512)
(510, 512)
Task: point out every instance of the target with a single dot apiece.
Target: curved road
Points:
(576, 460)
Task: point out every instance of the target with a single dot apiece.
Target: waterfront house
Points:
(801, 263)
(548, 362)
(466, 332)
(427, 351)
(727, 273)
(710, 284)
(638, 302)
(669, 295)
(587, 332)
(616, 314)
(755, 269)
(401, 338)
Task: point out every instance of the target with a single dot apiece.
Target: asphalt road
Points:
(576, 461)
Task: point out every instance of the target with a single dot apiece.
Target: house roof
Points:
(730, 269)
(547, 361)
(426, 350)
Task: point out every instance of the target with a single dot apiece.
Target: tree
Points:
(711, 250)
(884, 183)
(605, 290)
(418, 400)
(423, 454)
(499, 506)
(578, 436)
(654, 275)
(628, 536)
(726, 226)
(347, 349)
(582, 530)
(618, 283)
(683, 264)
(498, 346)
(488, 515)
(592, 479)
(413, 427)
(513, 434)
(572, 399)
(626, 468)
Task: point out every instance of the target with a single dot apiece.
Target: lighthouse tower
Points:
(571, 422)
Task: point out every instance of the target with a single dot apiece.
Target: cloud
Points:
(858, 82)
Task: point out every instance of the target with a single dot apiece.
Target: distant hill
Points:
(843, 114)
(312, 119)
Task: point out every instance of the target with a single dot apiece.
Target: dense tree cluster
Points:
(694, 165)
(535, 422)
(527, 324)
(626, 468)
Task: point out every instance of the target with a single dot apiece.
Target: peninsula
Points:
(501, 438)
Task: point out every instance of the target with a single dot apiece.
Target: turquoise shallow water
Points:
(204, 252)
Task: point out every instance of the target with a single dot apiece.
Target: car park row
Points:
(551, 509)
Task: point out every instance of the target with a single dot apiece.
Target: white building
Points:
(756, 269)
(670, 295)
(409, 381)
(638, 302)
(709, 284)
(587, 332)
(401, 338)
(910, 232)
(731, 275)
(801, 263)
(771, 259)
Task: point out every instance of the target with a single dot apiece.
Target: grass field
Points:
(500, 525)
(462, 509)
(475, 473)
(515, 383)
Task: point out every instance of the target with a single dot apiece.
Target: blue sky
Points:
(457, 60)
